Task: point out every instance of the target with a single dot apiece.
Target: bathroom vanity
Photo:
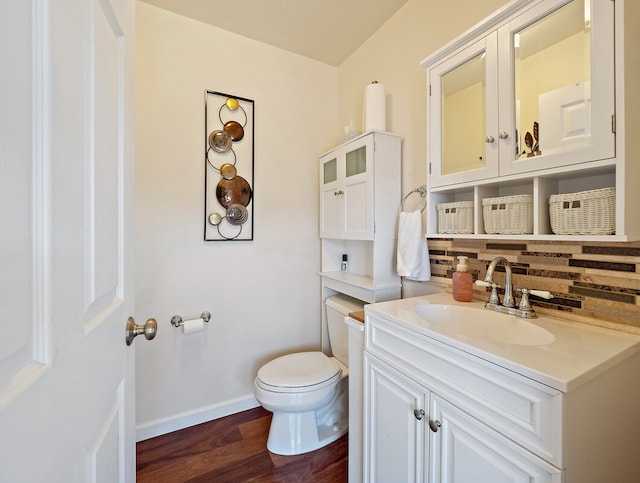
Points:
(457, 393)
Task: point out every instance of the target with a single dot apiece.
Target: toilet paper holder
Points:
(177, 321)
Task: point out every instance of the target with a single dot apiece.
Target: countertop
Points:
(357, 315)
(578, 353)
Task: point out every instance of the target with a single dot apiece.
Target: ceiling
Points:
(326, 30)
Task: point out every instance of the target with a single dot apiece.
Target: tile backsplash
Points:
(592, 282)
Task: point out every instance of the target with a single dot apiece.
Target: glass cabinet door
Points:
(356, 161)
(562, 103)
(463, 108)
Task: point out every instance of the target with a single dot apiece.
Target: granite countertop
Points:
(577, 353)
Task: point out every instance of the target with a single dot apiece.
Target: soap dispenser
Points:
(462, 281)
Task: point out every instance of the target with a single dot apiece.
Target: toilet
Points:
(308, 392)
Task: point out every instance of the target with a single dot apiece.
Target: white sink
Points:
(484, 324)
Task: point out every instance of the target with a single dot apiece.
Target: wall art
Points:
(228, 203)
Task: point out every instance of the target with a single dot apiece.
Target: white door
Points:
(66, 152)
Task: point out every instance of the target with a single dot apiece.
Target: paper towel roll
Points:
(193, 325)
(375, 112)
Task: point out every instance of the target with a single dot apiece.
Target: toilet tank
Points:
(338, 307)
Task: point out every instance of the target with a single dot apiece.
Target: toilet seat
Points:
(299, 372)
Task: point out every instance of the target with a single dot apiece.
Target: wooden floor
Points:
(233, 449)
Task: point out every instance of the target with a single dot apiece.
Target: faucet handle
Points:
(493, 299)
(543, 294)
(524, 301)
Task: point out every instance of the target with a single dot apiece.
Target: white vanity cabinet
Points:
(436, 413)
(531, 101)
(414, 433)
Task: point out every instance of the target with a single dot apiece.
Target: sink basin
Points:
(484, 324)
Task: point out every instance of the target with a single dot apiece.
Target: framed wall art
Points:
(228, 203)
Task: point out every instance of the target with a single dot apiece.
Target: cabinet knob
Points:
(418, 413)
(338, 193)
(503, 134)
(489, 139)
(434, 425)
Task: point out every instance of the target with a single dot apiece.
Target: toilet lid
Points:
(299, 370)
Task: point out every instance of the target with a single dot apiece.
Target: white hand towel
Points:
(413, 255)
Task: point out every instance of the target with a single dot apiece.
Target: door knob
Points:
(132, 330)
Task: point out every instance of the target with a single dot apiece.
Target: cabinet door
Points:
(346, 191)
(393, 437)
(330, 198)
(358, 191)
(463, 450)
(557, 71)
(463, 115)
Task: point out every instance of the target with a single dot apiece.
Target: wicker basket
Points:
(584, 213)
(511, 215)
(456, 217)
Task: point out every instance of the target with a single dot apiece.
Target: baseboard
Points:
(158, 427)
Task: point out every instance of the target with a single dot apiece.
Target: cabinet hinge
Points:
(613, 123)
(429, 168)
(429, 90)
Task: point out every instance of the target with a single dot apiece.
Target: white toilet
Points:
(307, 392)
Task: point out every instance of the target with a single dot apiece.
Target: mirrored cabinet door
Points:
(557, 63)
(464, 112)
(537, 93)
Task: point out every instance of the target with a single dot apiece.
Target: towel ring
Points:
(422, 191)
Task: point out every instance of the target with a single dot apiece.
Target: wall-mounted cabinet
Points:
(346, 191)
(360, 196)
(359, 201)
(531, 101)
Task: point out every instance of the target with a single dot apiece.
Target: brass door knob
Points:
(132, 330)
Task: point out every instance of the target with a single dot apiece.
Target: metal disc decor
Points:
(233, 191)
(237, 214)
(229, 136)
(228, 171)
(220, 141)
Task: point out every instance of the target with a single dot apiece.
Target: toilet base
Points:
(293, 433)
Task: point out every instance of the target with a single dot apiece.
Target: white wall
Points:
(264, 295)
(392, 56)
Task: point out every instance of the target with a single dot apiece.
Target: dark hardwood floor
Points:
(233, 449)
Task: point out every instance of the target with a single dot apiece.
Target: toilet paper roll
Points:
(375, 112)
(193, 325)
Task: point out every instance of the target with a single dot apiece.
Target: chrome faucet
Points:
(508, 305)
(507, 301)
